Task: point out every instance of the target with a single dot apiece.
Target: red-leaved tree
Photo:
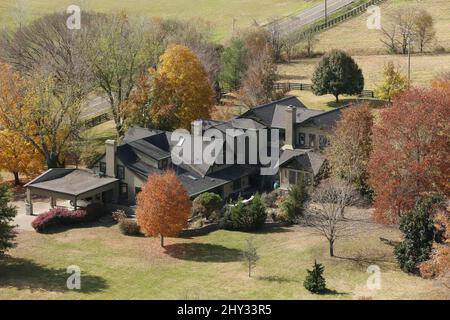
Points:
(411, 154)
(163, 206)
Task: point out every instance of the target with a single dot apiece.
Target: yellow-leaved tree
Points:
(181, 90)
(18, 156)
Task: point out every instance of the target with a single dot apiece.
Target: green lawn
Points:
(209, 267)
(99, 134)
(219, 12)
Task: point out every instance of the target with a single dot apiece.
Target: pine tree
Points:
(7, 214)
(418, 228)
(297, 198)
(233, 65)
(315, 282)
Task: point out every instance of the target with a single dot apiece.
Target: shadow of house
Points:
(25, 274)
(203, 252)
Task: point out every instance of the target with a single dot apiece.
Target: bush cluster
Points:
(65, 217)
(245, 217)
(129, 227)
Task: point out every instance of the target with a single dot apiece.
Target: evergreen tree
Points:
(418, 229)
(233, 65)
(296, 200)
(7, 214)
(337, 73)
(315, 282)
(257, 212)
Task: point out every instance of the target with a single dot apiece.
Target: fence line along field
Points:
(222, 13)
(424, 68)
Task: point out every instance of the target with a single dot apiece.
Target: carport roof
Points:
(73, 182)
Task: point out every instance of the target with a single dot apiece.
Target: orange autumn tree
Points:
(411, 154)
(163, 206)
(181, 89)
(18, 156)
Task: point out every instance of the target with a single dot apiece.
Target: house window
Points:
(123, 191)
(312, 140)
(292, 177)
(323, 142)
(301, 139)
(120, 172)
(137, 190)
(163, 164)
(237, 184)
(103, 167)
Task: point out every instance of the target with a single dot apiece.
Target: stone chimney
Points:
(289, 136)
(196, 127)
(111, 148)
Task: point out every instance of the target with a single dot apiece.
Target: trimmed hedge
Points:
(65, 217)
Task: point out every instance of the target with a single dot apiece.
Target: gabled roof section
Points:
(325, 119)
(273, 114)
(306, 160)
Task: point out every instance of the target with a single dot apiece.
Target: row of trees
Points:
(408, 24)
(400, 156)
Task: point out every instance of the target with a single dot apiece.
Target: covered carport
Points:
(72, 185)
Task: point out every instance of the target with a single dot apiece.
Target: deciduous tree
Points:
(181, 88)
(423, 29)
(325, 212)
(411, 151)
(163, 206)
(115, 51)
(259, 81)
(43, 111)
(337, 73)
(394, 82)
(351, 145)
(18, 156)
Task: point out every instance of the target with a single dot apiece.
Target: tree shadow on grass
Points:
(203, 252)
(342, 102)
(25, 274)
(278, 279)
(272, 227)
(365, 260)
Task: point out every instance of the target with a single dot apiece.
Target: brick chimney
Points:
(111, 148)
(289, 139)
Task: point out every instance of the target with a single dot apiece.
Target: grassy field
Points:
(424, 68)
(220, 12)
(208, 267)
(356, 38)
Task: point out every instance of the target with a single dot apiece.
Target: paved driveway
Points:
(23, 221)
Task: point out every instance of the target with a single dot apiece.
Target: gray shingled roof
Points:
(72, 182)
(273, 114)
(304, 159)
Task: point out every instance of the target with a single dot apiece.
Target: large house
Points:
(120, 173)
